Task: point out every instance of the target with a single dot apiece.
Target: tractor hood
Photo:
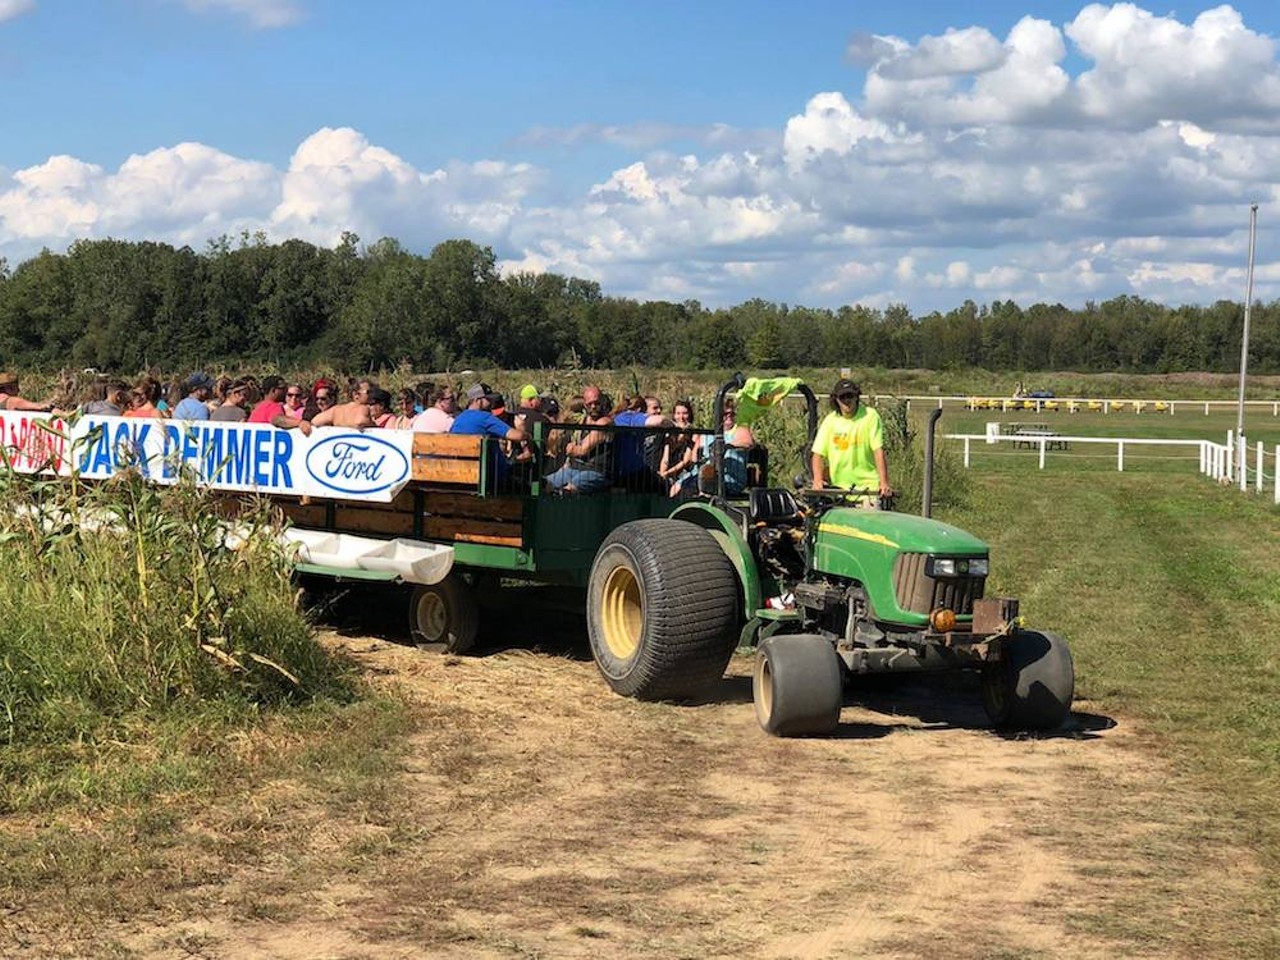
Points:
(902, 532)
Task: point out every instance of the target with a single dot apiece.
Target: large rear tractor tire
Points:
(1032, 685)
(662, 610)
(443, 617)
(798, 686)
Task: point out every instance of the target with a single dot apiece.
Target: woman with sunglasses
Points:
(142, 400)
(848, 451)
(320, 401)
(295, 402)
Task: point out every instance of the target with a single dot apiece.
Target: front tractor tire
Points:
(798, 686)
(662, 610)
(1031, 686)
(444, 617)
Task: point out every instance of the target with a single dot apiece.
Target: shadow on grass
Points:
(944, 701)
(550, 620)
(953, 701)
(546, 619)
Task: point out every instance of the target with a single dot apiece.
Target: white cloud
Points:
(185, 194)
(985, 81)
(1214, 72)
(829, 125)
(998, 278)
(338, 181)
(972, 50)
(15, 8)
(263, 14)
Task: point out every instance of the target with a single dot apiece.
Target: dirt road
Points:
(546, 817)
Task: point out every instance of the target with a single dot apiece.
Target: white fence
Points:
(1217, 460)
(1082, 404)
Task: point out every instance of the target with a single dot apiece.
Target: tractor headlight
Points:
(957, 567)
(942, 567)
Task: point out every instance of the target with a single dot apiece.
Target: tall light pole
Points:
(1244, 343)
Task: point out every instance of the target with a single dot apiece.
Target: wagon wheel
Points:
(443, 616)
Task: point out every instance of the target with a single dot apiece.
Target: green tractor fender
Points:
(729, 536)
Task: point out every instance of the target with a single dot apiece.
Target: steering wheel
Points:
(823, 498)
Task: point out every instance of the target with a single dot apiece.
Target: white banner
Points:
(251, 457)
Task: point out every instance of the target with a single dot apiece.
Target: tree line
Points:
(127, 306)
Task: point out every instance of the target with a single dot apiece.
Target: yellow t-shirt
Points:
(849, 445)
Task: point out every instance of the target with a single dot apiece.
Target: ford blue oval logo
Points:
(356, 463)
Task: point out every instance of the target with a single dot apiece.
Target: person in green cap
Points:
(848, 450)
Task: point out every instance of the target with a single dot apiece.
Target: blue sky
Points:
(815, 153)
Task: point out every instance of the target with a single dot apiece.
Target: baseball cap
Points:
(528, 391)
(845, 385)
(497, 401)
(199, 379)
(478, 390)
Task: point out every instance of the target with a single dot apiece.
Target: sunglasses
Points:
(293, 393)
(846, 396)
(322, 398)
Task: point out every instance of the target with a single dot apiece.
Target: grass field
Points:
(1167, 593)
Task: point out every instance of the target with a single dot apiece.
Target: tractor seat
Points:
(774, 506)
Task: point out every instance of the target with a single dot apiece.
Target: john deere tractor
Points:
(824, 589)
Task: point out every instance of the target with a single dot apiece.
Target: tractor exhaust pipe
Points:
(926, 500)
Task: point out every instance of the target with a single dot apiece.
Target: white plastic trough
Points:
(414, 561)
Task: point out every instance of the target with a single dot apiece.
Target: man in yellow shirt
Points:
(849, 447)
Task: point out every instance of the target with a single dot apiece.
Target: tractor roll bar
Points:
(717, 445)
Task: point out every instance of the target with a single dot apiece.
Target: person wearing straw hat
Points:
(10, 399)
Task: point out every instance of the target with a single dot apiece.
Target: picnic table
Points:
(1031, 435)
(1014, 428)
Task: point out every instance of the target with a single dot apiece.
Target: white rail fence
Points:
(1080, 404)
(1217, 460)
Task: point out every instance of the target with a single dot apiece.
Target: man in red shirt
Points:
(271, 409)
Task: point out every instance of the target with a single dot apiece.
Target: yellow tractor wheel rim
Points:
(764, 689)
(622, 613)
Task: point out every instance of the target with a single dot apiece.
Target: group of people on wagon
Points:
(588, 445)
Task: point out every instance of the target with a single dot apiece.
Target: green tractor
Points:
(824, 590)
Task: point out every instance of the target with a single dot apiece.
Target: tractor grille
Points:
(919, 593)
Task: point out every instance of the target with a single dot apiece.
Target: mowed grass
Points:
(1168, 593)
